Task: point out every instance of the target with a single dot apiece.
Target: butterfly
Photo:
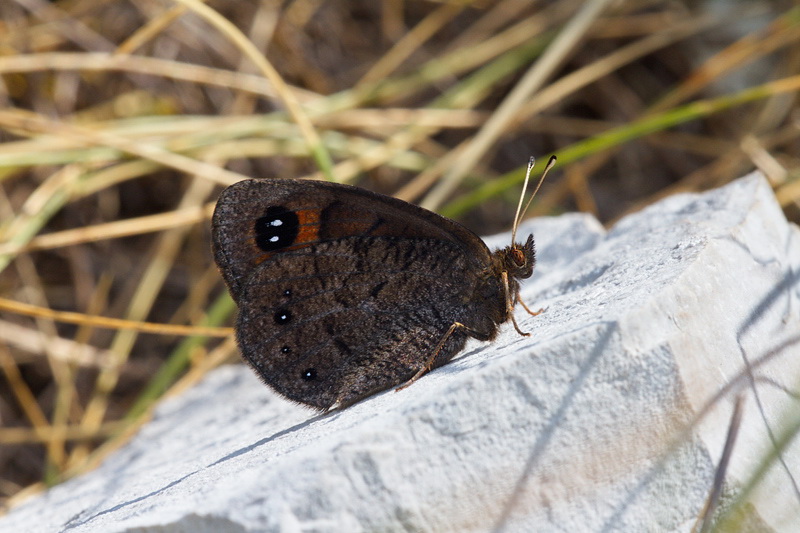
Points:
(343, 292)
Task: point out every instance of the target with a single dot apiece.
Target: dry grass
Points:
(121, 119)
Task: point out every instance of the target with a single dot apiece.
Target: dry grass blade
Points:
(410, 42)
(319, 151)
(111, 323)
(30, 124)
(113, 230)
(532, 81)
(108, 62)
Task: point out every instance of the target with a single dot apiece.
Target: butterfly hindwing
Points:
(337, 321)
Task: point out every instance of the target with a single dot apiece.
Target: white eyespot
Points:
(274, 238)
(276, 222)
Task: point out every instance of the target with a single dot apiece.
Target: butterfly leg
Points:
(532, 313)
(510, 305)
(429, 364)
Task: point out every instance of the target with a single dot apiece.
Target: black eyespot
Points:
(283, 316)
(277, 229)
(285, 349)
(309, 374)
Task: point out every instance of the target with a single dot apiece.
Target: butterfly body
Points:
(343, 292)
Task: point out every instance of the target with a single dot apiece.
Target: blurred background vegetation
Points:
(121, 120)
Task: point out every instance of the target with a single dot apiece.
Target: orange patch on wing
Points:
(309, 227)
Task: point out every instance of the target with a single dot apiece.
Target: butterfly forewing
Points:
(255, 219)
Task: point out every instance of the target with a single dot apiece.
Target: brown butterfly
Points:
(343, 292)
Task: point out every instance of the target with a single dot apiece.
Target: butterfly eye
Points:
(519, 257)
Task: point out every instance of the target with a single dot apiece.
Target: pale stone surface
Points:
(579, 427)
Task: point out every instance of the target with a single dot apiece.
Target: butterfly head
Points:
(518, 260)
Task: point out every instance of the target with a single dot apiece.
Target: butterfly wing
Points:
(343, 292)
(257, 219)
(335, 323)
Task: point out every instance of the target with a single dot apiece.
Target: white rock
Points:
(580, 427)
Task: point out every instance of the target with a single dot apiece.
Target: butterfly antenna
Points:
(531, 162)
(520, 210)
